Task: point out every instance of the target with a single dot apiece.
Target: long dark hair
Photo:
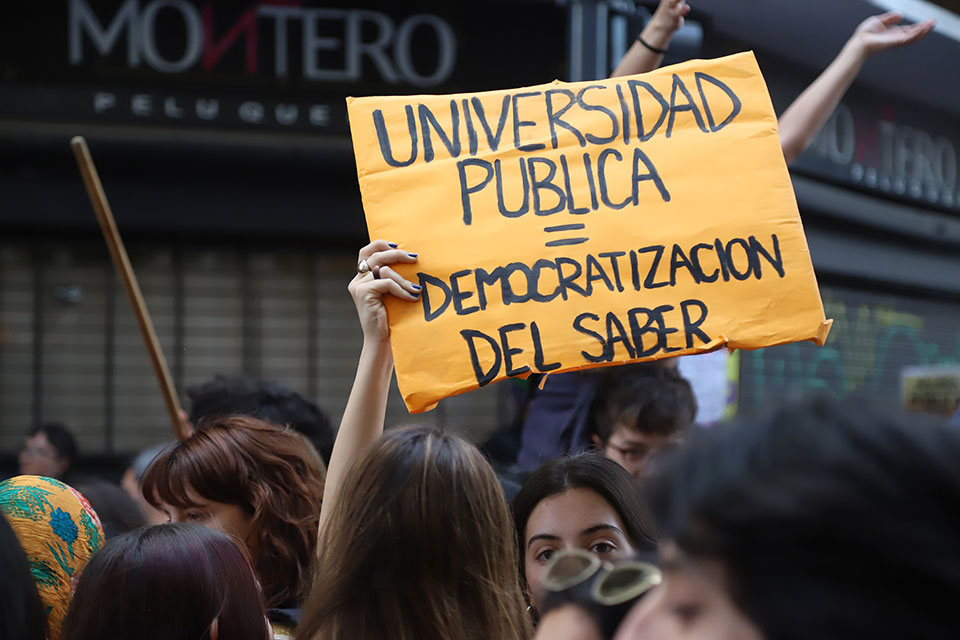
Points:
(21, 611)
(168, 581)
(419, 545)
(270, 472)
(831, 520)
(593, 471)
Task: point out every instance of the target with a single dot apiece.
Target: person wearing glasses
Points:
(641, 410)
(49, 450)
(628, 413)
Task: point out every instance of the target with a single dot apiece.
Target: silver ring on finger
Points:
(363, 268)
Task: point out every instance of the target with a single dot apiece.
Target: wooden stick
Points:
(105, 217)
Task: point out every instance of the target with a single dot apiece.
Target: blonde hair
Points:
(420, 545)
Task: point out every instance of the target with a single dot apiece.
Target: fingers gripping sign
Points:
(375, 279)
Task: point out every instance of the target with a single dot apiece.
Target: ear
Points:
(597, 442)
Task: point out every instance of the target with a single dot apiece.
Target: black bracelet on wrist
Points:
(650, 46)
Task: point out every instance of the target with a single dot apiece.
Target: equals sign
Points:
(566, 241)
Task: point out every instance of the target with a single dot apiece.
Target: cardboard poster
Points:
(574, 225)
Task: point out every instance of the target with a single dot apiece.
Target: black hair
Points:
(167, 581)
(647, 397)
(229, 395)
(59, 436)
(833, 521)
(587, 470)
(21, 610)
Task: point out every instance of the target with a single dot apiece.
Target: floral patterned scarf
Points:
(59, 532)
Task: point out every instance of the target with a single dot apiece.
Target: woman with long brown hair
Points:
(416, 539)
(258, 482)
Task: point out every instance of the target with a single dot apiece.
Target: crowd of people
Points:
(607, 514)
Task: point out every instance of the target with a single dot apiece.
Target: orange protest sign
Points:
(566, 226)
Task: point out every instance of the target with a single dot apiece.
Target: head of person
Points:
(49, 450)
(21, 612)
(583, 501)
(58, 531)
(258, 482)
(168, 581)
(228, 395)
(422, 548)
(821, 520)
(639, 410)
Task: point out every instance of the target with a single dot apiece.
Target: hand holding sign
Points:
(377, 280)
(569, 226)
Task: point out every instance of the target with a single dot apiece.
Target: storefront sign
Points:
(895, 152)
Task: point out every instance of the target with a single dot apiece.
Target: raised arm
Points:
(802, 120)
(363, 418)
(640, 57)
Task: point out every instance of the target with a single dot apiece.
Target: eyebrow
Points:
(541, 536)
(601, 527)
(591, 529)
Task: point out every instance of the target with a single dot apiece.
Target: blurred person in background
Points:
(627, 412)
(640, 410)
(168, 581)
(258, 482)
(59, 533)
(118, 512)
(822, 520)
(231, 395)
(49, 450)
(132, 483)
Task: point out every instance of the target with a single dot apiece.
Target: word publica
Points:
(642, 332)
(556, 182)
(551, 110)
(360, 39)
(468, 291)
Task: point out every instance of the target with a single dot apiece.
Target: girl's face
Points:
(575, 519)
(693, 603)
(226, 518)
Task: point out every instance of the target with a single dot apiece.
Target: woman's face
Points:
(226, 518)
(693, 603)
(575, 519)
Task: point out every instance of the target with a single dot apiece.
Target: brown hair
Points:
(419, 545)
(272, 473)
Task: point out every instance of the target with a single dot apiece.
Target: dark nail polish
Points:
(416, 286)
(393, 244)
(412, 255)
